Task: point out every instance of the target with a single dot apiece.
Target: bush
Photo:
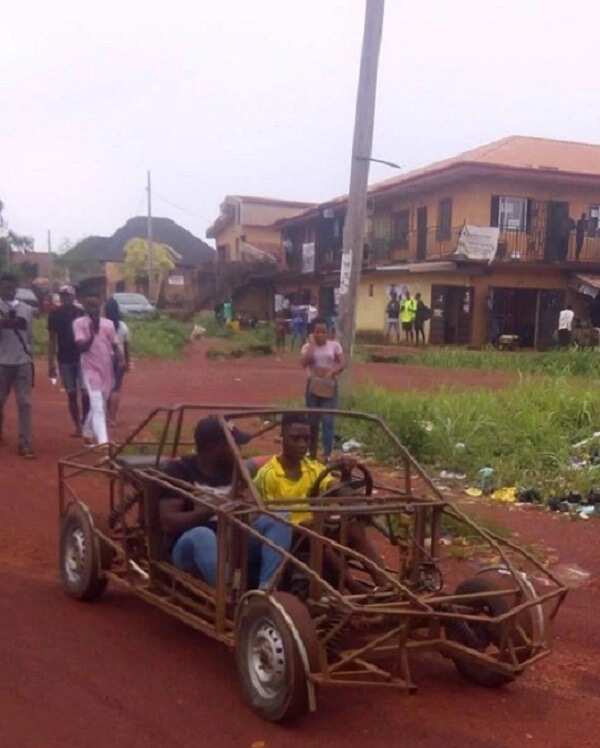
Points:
(525, 433)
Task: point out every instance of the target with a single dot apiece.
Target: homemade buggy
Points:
(306, 630)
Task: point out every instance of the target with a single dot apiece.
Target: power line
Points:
(174, 205)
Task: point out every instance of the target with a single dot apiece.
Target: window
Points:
(444, 230)
(400, 228)
(510, 213)
(371, 290)
(382, 226)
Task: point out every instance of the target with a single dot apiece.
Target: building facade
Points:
(244, 231)
(542, 196)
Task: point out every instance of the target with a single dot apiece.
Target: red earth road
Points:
(119, 673)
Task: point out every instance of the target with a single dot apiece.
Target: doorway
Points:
(530, 313)
(558, 227)
(452, 315)
(421, 233)
(513, 312)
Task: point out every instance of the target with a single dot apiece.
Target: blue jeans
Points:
(196, 550)
(314, 401)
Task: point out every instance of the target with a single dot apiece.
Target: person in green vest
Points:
(227, 311)
(408, 312)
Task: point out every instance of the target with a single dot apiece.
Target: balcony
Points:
(513, 246)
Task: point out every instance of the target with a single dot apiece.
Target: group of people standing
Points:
(88, 352)
(411, 313)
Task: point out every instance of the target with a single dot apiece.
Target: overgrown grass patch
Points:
(558, 363)
(525, 433)
(228, 343)
(159, 338)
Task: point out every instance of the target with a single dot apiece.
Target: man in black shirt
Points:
(61, 346)
(190, 531)
(393, 313)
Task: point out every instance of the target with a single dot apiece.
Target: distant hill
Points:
(88, 254)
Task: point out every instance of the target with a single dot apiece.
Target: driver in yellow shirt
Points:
(289, 477)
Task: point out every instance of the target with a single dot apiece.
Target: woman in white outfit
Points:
(96, 339)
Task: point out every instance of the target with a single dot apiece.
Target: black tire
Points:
(479, 635)
(270, 667)
(79, 557)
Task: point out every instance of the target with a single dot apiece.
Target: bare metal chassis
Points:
(392, 623)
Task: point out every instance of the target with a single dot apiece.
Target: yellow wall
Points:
(373, 298)
(471, 203)
(261, 237)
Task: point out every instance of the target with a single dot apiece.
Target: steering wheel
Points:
(348, 480)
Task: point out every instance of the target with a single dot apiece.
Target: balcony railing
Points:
(415, 246)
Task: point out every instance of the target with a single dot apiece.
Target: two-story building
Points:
(542, 195)
(244, 231)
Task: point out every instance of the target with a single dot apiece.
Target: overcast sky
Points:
(257, 97)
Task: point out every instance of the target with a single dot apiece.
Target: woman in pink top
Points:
(323, 360)
(97, 341)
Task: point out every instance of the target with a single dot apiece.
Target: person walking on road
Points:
(62, 347)
(565, 326)
(121, 364)
(392, 312)
(422, 314)
(96, 339)
(16, 360)
(323, 360)
(408, 310)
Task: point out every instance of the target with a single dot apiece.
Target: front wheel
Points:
(480, 636)
(270, 664)
(79, 561)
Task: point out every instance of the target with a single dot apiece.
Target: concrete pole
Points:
(356, 215)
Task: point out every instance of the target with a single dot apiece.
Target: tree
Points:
(11, 242)
(140, 265)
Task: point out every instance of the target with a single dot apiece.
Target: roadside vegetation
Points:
(583, 363)
(525, 433)
(227, 343)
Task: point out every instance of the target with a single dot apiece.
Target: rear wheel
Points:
(80, 562)
(270, 663)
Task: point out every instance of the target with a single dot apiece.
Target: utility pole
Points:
(356, 213)
(50, 241)
(149, 237)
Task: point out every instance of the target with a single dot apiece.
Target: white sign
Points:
(345, 272)
(176, 280)
(308, 257)
(478, 242)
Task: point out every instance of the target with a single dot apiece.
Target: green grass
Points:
(159, 338)
(154, 338)
(245, 342)
(525, 433)
(584, 363)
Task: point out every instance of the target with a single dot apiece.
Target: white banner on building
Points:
(176, 280)
(308, 257)
(345, 272)
(478, 242)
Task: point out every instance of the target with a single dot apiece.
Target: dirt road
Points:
(117, 673)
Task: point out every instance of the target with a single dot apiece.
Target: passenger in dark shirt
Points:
(189, 531)
(62, 347)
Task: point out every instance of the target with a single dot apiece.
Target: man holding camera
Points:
(16, 359)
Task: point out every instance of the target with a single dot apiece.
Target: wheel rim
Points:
(266, 659)
(75, 554)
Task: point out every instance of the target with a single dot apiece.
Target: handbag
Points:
(322, 387)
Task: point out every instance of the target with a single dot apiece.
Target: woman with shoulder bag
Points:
(323, 360)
